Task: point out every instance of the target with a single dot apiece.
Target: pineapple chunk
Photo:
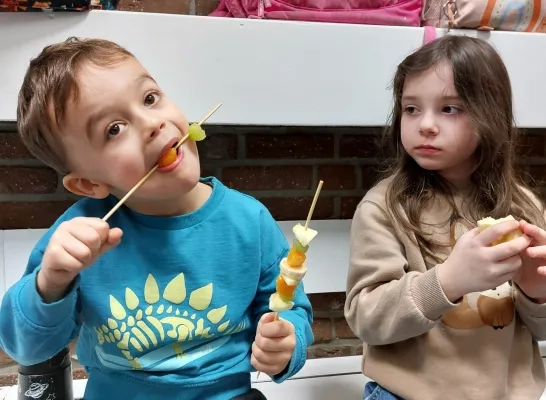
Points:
(304, 236)
(489, 221)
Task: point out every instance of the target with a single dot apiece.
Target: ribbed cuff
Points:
(39, 313)
(528, 307)
(429, 296)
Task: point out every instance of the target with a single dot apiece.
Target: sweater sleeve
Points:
(32, 331)
(274, 248)
(387, 301)
(532, 314)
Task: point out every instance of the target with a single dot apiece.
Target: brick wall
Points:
(278, 165)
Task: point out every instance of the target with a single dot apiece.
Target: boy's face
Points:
(116, 132)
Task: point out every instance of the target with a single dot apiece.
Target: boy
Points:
(177, 308)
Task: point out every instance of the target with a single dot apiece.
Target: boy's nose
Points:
(155, 128)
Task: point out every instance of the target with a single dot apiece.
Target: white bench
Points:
(265, 73)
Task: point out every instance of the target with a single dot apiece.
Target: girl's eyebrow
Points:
(410, 98)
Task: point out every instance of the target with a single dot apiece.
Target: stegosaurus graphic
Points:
(140, 328)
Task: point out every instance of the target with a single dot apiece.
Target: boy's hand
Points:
(74, 246)
(275, 341)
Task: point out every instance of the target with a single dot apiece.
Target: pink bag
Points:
(516, 15)
(368, 12)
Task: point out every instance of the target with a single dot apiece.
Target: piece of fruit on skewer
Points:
(195, 133)
(293, 269)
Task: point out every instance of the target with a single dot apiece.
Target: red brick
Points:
(348, 206)
(156, 6)
(327, 301)
(522, 172)
(9, 379)
(218, 147)
(208, 170)
(289, 146)
(537, 173)
(297, 208)
(5, 359)
(370, 176)
(322, 329)
(358, 146)
(268, 178)
(331, 351)
(18, 180)
(338, 177)
(342, 329)
(12, 147)
(79, 373)
(31, 215)
(360, 350)
(531, 145)
(205, 7)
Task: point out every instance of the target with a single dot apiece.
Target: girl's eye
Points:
(151, 99)
(410, 109)
(115, 129)
(451, 110)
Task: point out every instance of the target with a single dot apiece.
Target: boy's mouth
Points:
(170, 158)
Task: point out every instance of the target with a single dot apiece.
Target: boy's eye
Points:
(115, 129)
(150, 99)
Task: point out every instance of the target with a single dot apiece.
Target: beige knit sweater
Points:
(420, 345)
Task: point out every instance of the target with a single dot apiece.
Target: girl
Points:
(445, 313)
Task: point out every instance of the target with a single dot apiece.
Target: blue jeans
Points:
(372, 391)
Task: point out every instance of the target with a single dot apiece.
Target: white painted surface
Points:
(343, 380)
(18, 244)
(327, 263)
(323, 368)
(265, 72)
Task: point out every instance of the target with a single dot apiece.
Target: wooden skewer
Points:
(311, 209)
(313, 204)
(145, 178)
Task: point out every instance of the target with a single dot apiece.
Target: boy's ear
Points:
(84, 187)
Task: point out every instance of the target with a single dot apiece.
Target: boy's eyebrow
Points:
(95, 116)
(144, 77)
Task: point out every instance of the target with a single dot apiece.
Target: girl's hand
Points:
(474, 265)
(531, 278)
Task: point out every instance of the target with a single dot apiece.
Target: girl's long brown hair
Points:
(483, 84)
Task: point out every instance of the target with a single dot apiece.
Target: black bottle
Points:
(48, 380)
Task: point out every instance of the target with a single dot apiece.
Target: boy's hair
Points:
(482, 82)
(50, 83)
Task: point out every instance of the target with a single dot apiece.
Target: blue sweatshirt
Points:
(169, 313)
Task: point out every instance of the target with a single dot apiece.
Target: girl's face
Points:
(435, 128)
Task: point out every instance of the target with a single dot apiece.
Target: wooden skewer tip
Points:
(313, 204)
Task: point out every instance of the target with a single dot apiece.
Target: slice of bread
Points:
(489, 221)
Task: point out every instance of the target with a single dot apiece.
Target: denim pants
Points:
(372, 391)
